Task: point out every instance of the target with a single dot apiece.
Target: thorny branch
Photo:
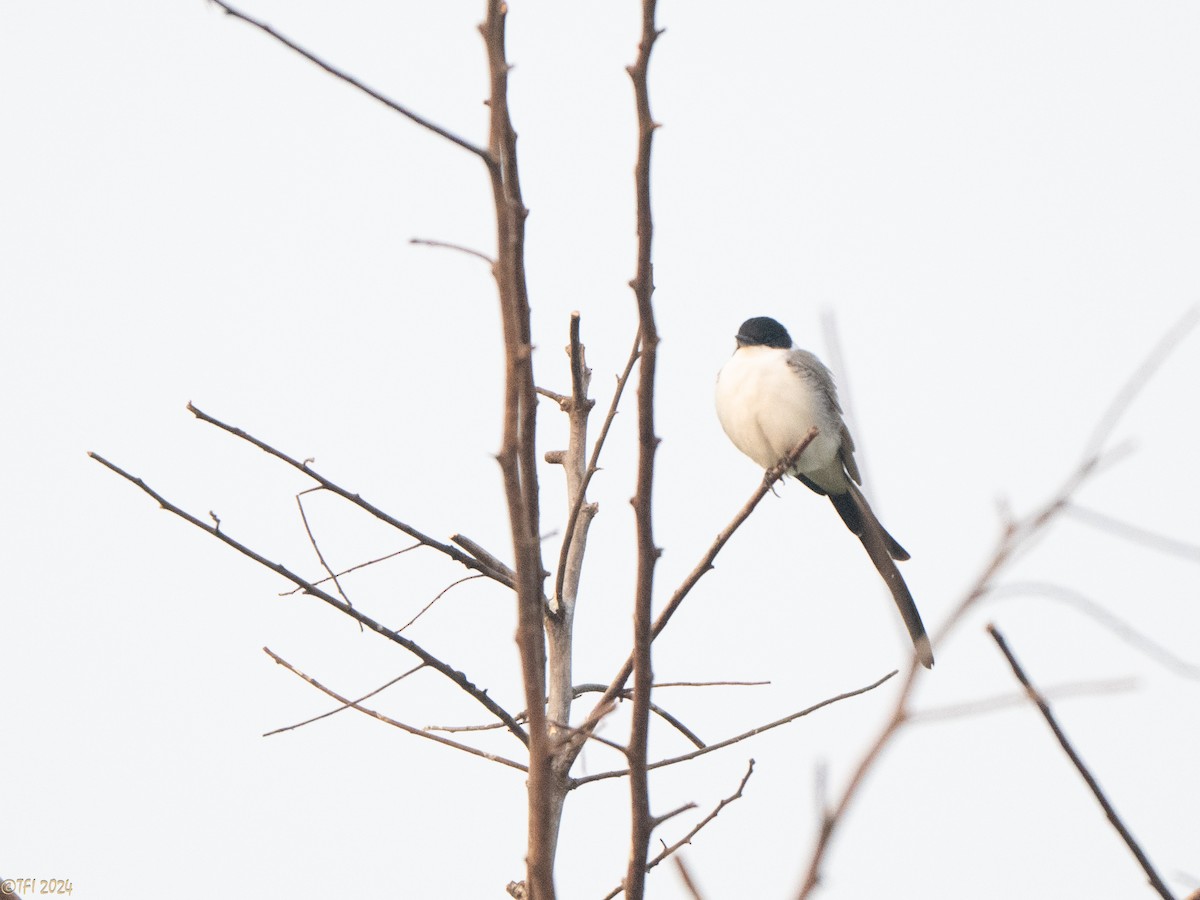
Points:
(687, 838)
(647, 551)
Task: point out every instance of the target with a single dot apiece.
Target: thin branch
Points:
(466, 748)
(593, 465)
(442, 593)
(1014, 536)
(769, 478)
(1149, 647)
(351, 80)
(446, 245)
(485, 557)
(1138, 380)
(355, 568)
(686, 876)
(1044, 708)
(670, 684)
(721, 745)
(578, 691)
(453, 552)
(418, 667)
(687, 838)
(1135, 533)
(317, 550)
(416, 649)
(985, 705)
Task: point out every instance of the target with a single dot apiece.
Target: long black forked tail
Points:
(883, 549)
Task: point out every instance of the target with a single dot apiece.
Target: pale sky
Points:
(997, 203)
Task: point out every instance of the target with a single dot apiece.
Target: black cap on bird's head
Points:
(763, 331)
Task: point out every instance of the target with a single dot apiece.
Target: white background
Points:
(999, 203)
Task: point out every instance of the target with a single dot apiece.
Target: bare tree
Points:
(547, 738)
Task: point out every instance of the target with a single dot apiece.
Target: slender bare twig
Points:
(687, 838)
(312, 539)
(442, 593)
(671, 684)
(578, 691)
(453, 552)
(1044, 708)
(355, 568)
(416, 649)
(351, 80)
(446, 245)
(466, 748)
(721, 745)
(417, 668)
(1014, 536)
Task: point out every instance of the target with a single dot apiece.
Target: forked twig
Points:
(1044, 708)
(687, 838)
(453, 552)
(383, 687)
(308, 587)
(721, 745)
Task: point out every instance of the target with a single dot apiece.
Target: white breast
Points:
(766, 407)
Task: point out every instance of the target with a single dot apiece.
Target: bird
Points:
(769, 395)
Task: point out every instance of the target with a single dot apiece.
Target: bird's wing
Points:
(817, 374)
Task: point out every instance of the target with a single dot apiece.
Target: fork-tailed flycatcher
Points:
(769, 395)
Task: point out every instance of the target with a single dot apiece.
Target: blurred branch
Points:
(416, 649)
(474, 751)
(1135, 533)
(454, 553)
(1150, 648)
(1044, 708)
(351, 80)
(985, 705)
(1014, 536)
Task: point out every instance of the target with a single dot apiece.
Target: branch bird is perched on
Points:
(769, 395)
